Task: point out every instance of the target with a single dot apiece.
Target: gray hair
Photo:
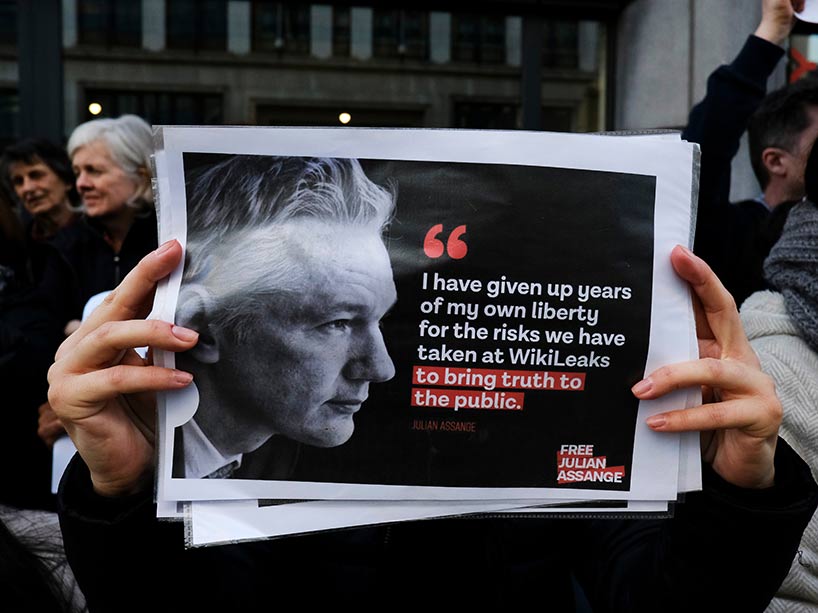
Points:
(247, 201)
(129, 140)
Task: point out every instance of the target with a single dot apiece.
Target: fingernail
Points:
(184, 333)
(164, 247)
(643, 387)
(686, 251)
(182, 377)
(656, 422)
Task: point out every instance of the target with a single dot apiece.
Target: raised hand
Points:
(778, 19)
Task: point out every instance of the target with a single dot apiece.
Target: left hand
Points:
(741, 412)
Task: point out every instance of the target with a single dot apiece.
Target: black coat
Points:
(725, 549)
(38, 296)
(97, 266)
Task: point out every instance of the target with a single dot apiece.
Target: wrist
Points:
(118, 488)
(772, 34)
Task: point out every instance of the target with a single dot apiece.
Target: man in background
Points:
(734, 238)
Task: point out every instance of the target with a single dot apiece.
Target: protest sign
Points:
(487, 347)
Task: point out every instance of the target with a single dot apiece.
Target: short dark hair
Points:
(32, 150)
(779, 122)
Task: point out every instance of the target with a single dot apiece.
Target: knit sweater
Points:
(794, 367)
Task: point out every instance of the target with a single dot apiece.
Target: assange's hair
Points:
(129, 140)
(780, 121)
(34, 150)
(240, 208)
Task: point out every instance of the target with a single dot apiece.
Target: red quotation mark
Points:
(433, 247)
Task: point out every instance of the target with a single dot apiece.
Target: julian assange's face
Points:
(104, 186)
(38, 187)
(305, 367)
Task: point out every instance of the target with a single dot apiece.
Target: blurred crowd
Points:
(73, 222)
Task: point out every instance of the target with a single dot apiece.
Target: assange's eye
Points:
(338, 325)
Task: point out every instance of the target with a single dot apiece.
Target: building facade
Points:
(288, 63)
(581, 65)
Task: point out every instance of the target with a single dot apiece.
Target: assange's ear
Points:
(194, 310)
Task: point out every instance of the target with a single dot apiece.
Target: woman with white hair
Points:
(111, 160)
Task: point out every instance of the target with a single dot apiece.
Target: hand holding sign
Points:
(778, 18)
(103, 391)
(806, 10)
(741, 413)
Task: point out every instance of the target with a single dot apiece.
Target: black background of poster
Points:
(528, 223)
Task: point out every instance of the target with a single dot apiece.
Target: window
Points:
(478, 38)
(415, 34)
(486, 115)
(561, 44)
(9, 116)
(8, 23)
(341, 31)
(110, 23)
(400, 34)
(196, 24)
(557, 119)
(182, 108)
(283, 27)
(505, 116)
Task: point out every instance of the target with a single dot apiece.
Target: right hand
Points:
(105, 393)
(49, 426)
(778, 19)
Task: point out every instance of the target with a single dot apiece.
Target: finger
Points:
(718, 305)
(48, 419)
(755, 417)
(89, 392)
(728, 375)
(133, 296)
(50, 430)
(106, 345)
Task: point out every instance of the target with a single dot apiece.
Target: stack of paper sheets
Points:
(475, 357)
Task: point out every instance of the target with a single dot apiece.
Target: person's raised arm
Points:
(104, 392)
(717, 122)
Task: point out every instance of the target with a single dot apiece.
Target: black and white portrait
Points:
(286, 280)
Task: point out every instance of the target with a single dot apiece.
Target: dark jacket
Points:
(725, 549)
(97, 266)
(38, 295)
(734, 238)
